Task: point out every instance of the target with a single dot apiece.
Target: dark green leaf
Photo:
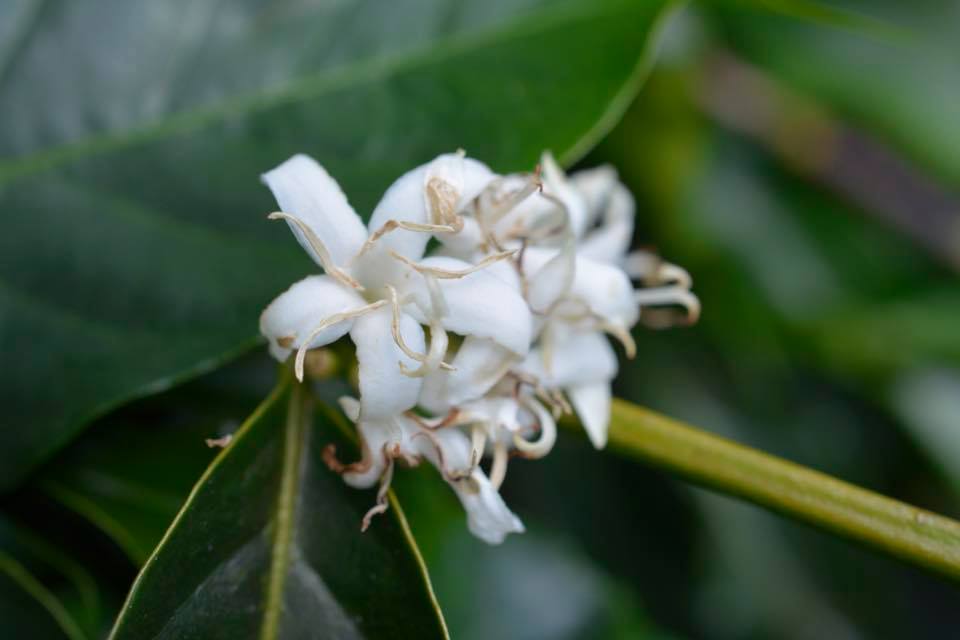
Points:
(43, 592)
(131, 471)
(135, 251)
(268, 545)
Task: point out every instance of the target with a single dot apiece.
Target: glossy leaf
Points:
(268, 545)
(44, 593)
(135, 252)
(131, 471)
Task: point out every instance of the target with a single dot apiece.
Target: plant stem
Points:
(897, 528)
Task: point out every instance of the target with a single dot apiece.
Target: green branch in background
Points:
(902, 530)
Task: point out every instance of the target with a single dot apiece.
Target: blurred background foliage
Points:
(808, 176)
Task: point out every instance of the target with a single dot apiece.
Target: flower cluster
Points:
(478, 348)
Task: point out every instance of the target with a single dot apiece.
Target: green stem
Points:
(897, 528)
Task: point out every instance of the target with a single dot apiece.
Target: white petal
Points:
(478, 304)
(552, 281)
(488, 517)
(595, 186)
(506, 271)
(374, 436)
(573, 358)
(406, 200)
(384, 390)
(304, 189)
(555, 183)
(294, 313)
(592, 404)
(611, 240)
(604, 288)
(479, 364)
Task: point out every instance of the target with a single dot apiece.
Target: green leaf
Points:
(904, 91)
(43, 592)
(268, 545)
(135, 252)
(914, 535)
(131, 471)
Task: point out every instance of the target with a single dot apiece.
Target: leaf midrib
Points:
(306, 87)
(294, 448)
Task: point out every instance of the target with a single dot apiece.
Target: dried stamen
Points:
(498, 469)
(391, 225)
(326, 261)
(382, 503)
(669, 296)
(453, 274)
(326, 323)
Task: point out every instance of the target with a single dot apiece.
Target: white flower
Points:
(365, 268)
(533, 272)
(583, 290)
(449, 450)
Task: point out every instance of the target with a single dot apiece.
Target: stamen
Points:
(382, 503)
(395, 327)
(653, 270)
(410, 353)
(326, 261)
(548, 434)
(478, 442)
(453, 274)
(326, 323)
(434, 359)
(453, 418)
(622, 334)
(443, 198)
(448, 474)
(674, 275)
(500, 207)
(329, 457)
(498, 469)
(391, 225)
(664, 296)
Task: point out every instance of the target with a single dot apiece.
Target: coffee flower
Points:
(364, 269)
(531, 273)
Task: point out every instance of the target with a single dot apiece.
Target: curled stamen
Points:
(448, 474)
(498, 469)
(395, 327)
(326, 323)
(382, 503)
(453, 274)
(329, 457)
(668, 296)
(548, 434)
(671, 274)
(622, 334)
(654, 271)
(391, 225)
(434, 358)
(453, 418)
(326, 261)
(398, 337)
